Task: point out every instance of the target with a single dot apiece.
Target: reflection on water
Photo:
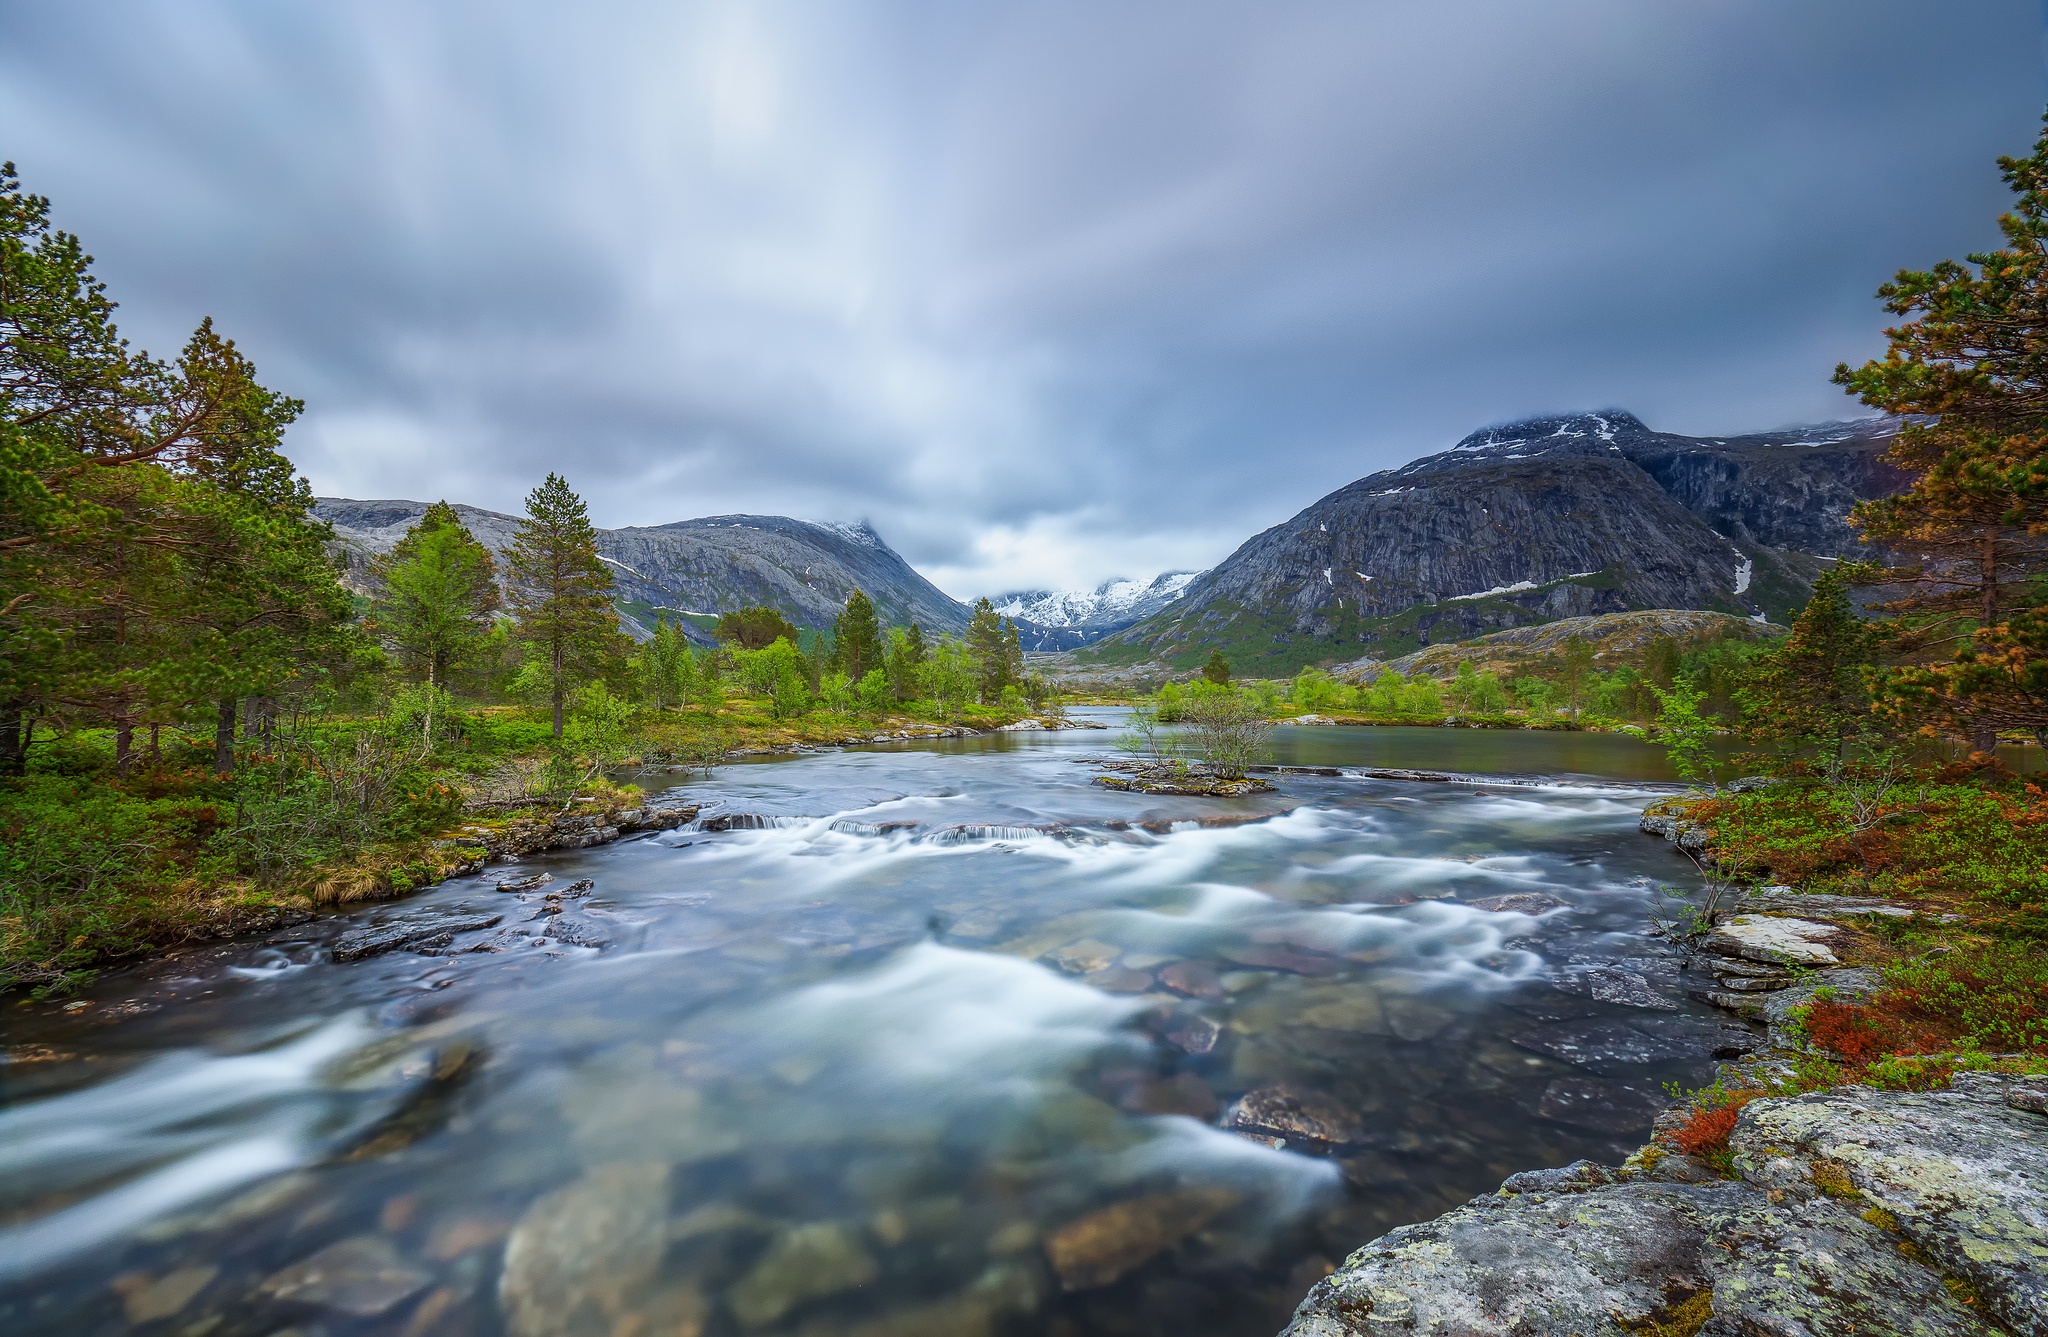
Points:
(940, 1039)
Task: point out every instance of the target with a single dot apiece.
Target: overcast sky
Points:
(1048, 291)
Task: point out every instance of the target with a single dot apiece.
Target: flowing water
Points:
(935, 1038)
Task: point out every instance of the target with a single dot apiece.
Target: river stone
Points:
(804, 1264)
(1296, 1114)
(1776, 939)
(168, 1294)
(1601, 1045)
(1087, 955)
(1602, 1104)
(1614, 984)
(583, 1253)
(431, 929)
(1355, 1010)
(1520, 903)
(1963, 1174)
(1412, 1020)
(1194, 1033)
(1192, 979)
(1102, 1246)
(360, 1275)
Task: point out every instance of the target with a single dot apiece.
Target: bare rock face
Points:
(1858, 1212)
(1775, 939)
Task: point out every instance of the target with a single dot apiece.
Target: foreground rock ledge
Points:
(1858, 1213)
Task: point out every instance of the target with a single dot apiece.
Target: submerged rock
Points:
(1295, 1114)
(1096, 1249)
(361, 1275)
(1520, 903)
(804, 1264)
(583, 1254)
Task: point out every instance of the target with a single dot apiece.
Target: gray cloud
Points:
(1049, 291)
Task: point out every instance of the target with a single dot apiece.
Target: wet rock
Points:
(1520, 903)
(1959, 1173)
(1119, 979)
(361, 1276)
(1277, 957)
(147, 1301)
(1357, 1010)
(1184, 1094)
(582, 1254)
(1600, 1045)
(414, 931)
(1194, 1034)
(1096, 1249)
(1613, 984)
(1295, 1114)
(1602, 1104)
(2033, 1099)
(527, 883)
(1412, 1020)
(1086, 955)
(1775, 939)
(1192, 979)
(804, 1264)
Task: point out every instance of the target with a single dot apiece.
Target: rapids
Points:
(933, 1038)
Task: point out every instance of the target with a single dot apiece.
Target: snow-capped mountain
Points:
(1063, 619)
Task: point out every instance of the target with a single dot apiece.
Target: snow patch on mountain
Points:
(1114, 603)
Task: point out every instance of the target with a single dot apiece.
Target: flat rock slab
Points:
(1520, 903)
(1962, 1172)
(1603, 1104)
(1785, 901)
(427, 929)
(1617, 985)
(1605, 1045)
(1775, 939)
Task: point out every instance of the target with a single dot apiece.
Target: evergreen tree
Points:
(1969, 538)
(756, 628)
(986, 648)
(1217, 670)
(906, 661)
(439, 593)
(1812, 689)
(1575, 660)
(857, 638)
(1013, 656)
(665, 667)
(561, 593)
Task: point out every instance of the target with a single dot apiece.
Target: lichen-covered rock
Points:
(1860, 1212)
(1775, 939)
(1961, 1173)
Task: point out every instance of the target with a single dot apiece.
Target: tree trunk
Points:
(558, 688)
(1987, 563)
(156, 746)
(224, 739)
(13, 739)
(1984, 737)
(124, 746)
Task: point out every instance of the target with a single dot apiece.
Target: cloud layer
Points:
(1048, 291)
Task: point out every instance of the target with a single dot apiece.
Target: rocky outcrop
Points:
(1531, 522)
(520, 836)
(1856, 1212)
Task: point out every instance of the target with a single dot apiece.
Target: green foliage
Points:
(1394, 696)
(1990, 994)
(665, 670)
(988, 648)
(1217, 669)
(857, 638)
(1229, 730)
(1684, 731)
(561, 592)
(439, 591)
(756, 628)
(906, 656)
(1312, 691)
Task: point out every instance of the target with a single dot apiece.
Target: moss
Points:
(1882, 1219)
(1832, 1178)
(1682, 1319)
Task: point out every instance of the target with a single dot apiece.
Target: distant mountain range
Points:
(1064, 619)
(1524, 523)
(703, 567)
(1516, 525)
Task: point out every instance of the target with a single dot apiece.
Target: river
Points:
(942, 1038)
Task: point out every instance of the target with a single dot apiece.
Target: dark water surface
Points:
(944, 1040)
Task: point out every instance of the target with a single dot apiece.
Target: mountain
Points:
(1529, 522)
(703, 567)
(1063, 619)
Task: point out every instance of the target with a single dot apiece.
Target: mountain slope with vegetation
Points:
(1538, 520)
(802, 568)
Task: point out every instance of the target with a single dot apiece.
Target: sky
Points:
(1048, 292)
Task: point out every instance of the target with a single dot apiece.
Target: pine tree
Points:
(857, 638)
(1217, 670)
(440, 590)
(1013, 657)
(986, 650)
(1812, 689)
(560, 590)
(1968, 540)
(907, 653)
(1575, 660)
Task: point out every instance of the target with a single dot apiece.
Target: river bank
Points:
(1872, 1169)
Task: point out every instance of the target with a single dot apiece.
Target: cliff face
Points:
(1544, 519)
(711, 565)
